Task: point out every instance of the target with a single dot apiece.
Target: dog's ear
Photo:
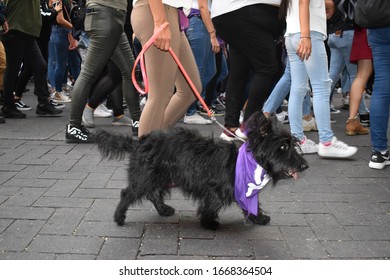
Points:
(260, 125)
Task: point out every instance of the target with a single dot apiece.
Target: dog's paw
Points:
(260, 219)
(166, 211)
(212, 225)
(120, 221)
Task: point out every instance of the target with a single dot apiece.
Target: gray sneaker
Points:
(123, 120)
(88, 117)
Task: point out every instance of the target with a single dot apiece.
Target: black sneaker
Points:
(78, 134)
(365, 119)
(379, 160)
(21, 106)
(56, 104)
(2, 120)
(202, 111)
(12, 113)
(47, 109)
(134, 127)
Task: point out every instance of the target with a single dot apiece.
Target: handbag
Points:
(73, 43)
(372, 13)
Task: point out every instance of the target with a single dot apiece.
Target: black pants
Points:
(21, 47)
(250, 32)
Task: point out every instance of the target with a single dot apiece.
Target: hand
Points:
(163, 39)
(5, 27)
(58, 7)
(215, 47)
(304, 48)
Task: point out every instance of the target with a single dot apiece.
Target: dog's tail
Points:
(113, 146)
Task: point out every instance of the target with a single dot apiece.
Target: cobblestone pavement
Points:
(57, 202)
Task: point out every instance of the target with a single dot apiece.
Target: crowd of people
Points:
(257, 53)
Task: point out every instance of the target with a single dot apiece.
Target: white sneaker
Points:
(88, 117)
(241, 134)
(241, 119)
(196, 119)
(336, 149)
(307, 146)
(282, 117)
(309, 125)
(101, 111)
(60, 97)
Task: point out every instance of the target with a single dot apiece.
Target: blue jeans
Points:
(60, 44)
(379, 41)
(315, 69)
(199, 40)
(280, 92)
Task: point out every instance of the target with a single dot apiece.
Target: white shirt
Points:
(220, 7)
(317, 17)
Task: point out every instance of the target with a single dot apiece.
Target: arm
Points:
(49, 14)
(205, 14)
(330, 7)
(163, 40)
(60, 17)
(304, 46)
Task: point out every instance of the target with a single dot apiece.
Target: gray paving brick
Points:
(34, 183)
(25, 256)
(369, 232)
(64, 175)
(25, 197)
(64, 221)
(6, 168)
(120, 249)
(357, 249)
(159, 247)
(3, 198)
(31, 172)
(161, 231)
(325, 227)
(115, 184)
(296, 207)
(120, 174)
(109, 229)
(18, 235)
(172, 257)
(96, 193)
(63, 188)
(6, 175)
(75, 257)
(66, 244)
(303, 243)
(28, 213)
(346, 215)
(62, 165)
(221, 248)
(9, 191)
(249, 232)
(271, 250)
(378, 219)
(96, 180)
(4, 224)
(63, 202)
(284, 219)
(191, 229)
(92, 169)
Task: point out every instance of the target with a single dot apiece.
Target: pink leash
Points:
(140, 59)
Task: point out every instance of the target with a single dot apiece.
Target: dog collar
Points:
(250, 178)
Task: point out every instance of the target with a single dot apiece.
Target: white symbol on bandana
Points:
(261, 179)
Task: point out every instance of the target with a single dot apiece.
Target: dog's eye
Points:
(284, 147)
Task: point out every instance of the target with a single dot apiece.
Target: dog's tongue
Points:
(294, 175)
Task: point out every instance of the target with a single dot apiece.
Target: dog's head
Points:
(273, 147)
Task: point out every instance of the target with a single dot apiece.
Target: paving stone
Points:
(9, 191)
(64, 221)
(96, 193)
(172, 257)
(18, 235)
(64, 175)
(96, 180)
(369, 232)
(6, 175)
(27, 213)
(31, 172)
(191, 229)
(303, 243)
(271, 250)
(325, 227)
(109, 229)
(250, 232)
(120, 249)
(296, 207)
(66, 244)
(25, 197)
(161, 231)
(63, 188)
(346, 215)
(25, 256)
(75, 257)
(357, 249)
(159, 246)
(34, 183)
(211, 248)
(4, 224)
(62, 165)
(3, 198)
(63, 202)
(284, 219)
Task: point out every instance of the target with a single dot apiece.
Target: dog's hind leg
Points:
(157, 198)
(127, 198)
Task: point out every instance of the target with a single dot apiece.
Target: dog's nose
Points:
(304, 166)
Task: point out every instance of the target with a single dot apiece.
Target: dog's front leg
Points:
(260, 219)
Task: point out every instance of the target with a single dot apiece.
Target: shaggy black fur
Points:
(203, 168)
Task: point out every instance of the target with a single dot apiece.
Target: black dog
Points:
(204, 169)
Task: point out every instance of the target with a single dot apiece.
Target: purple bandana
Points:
(250, 179)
